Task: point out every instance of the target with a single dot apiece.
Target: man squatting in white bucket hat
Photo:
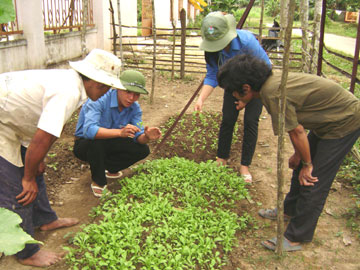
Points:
(34, 106)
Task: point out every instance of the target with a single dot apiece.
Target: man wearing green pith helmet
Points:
(110, 135)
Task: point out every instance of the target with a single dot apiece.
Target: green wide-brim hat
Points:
(133, 81)
(217, 31)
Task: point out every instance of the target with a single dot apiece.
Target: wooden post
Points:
(183, 42)
(154, 53)
(120, 33)
(83, 29)
(113, 26)
(245, 15)
(304, 18)
(261, 21)
(174, 38)
(356, 59)
(321, 41)
(281, 139)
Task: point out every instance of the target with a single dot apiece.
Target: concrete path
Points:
(339, 43)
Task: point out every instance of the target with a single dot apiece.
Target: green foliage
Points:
(350, 170)
(12, 236)
(7, 11)
(172, 214)
(228, 6)
(349, 5)
(197, 135)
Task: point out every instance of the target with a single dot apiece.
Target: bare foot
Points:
(59, 223)
(42, 258)
(221, 161)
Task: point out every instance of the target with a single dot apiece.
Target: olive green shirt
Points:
(318, 104)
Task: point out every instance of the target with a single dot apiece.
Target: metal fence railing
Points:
(65, 15)
(58, 15)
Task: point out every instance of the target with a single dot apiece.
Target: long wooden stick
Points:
(281, 139)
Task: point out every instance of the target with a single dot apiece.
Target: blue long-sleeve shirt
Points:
(244, 43)
(105, 113)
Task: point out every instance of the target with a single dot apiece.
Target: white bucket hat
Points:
(101, 66)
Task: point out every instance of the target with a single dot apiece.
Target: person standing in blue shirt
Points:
(221, 41)
(110, 135)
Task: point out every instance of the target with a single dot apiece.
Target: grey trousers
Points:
(305, 204)
(33, 215)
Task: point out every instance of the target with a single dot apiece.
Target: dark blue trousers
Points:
(305, 203)
(251, 122)
(34, 215)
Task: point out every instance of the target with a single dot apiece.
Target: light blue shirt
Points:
(244, 43)
(105, 113)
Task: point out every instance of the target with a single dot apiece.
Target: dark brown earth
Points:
(68, 182)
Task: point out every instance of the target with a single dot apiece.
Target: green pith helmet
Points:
(217, 31)
(133, 81)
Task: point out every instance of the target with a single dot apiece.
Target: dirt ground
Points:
(334, 245)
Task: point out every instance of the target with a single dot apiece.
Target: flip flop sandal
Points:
(247, 178)
(271, 214)
(113, 176)
(96, 188)
(286, 245)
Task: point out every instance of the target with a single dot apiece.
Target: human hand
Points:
(305, 176)
(240, 105)
(29, 193)
(198, 106)
(294, 161)
(152, 133)
(129, 131)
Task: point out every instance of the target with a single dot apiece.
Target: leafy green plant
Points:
(349, 170)
(172, 214)
(197, 135)
(12, 236)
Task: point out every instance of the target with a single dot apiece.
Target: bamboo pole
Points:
(281, 139)
(321, 38)
(83, 29)
(356, 58)
(183, 42)
(304, 18)
(113, 25)
(174, 38)
(120, 33)
(261, 21)
(154, 53)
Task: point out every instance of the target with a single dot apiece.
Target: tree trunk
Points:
(283, 16)
(316, 36)
(281, 139)
(304, 18)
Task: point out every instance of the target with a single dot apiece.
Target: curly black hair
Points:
(243, 69)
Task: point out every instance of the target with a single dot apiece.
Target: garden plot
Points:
(174, 212)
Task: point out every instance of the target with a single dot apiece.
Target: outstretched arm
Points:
(204, 94)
